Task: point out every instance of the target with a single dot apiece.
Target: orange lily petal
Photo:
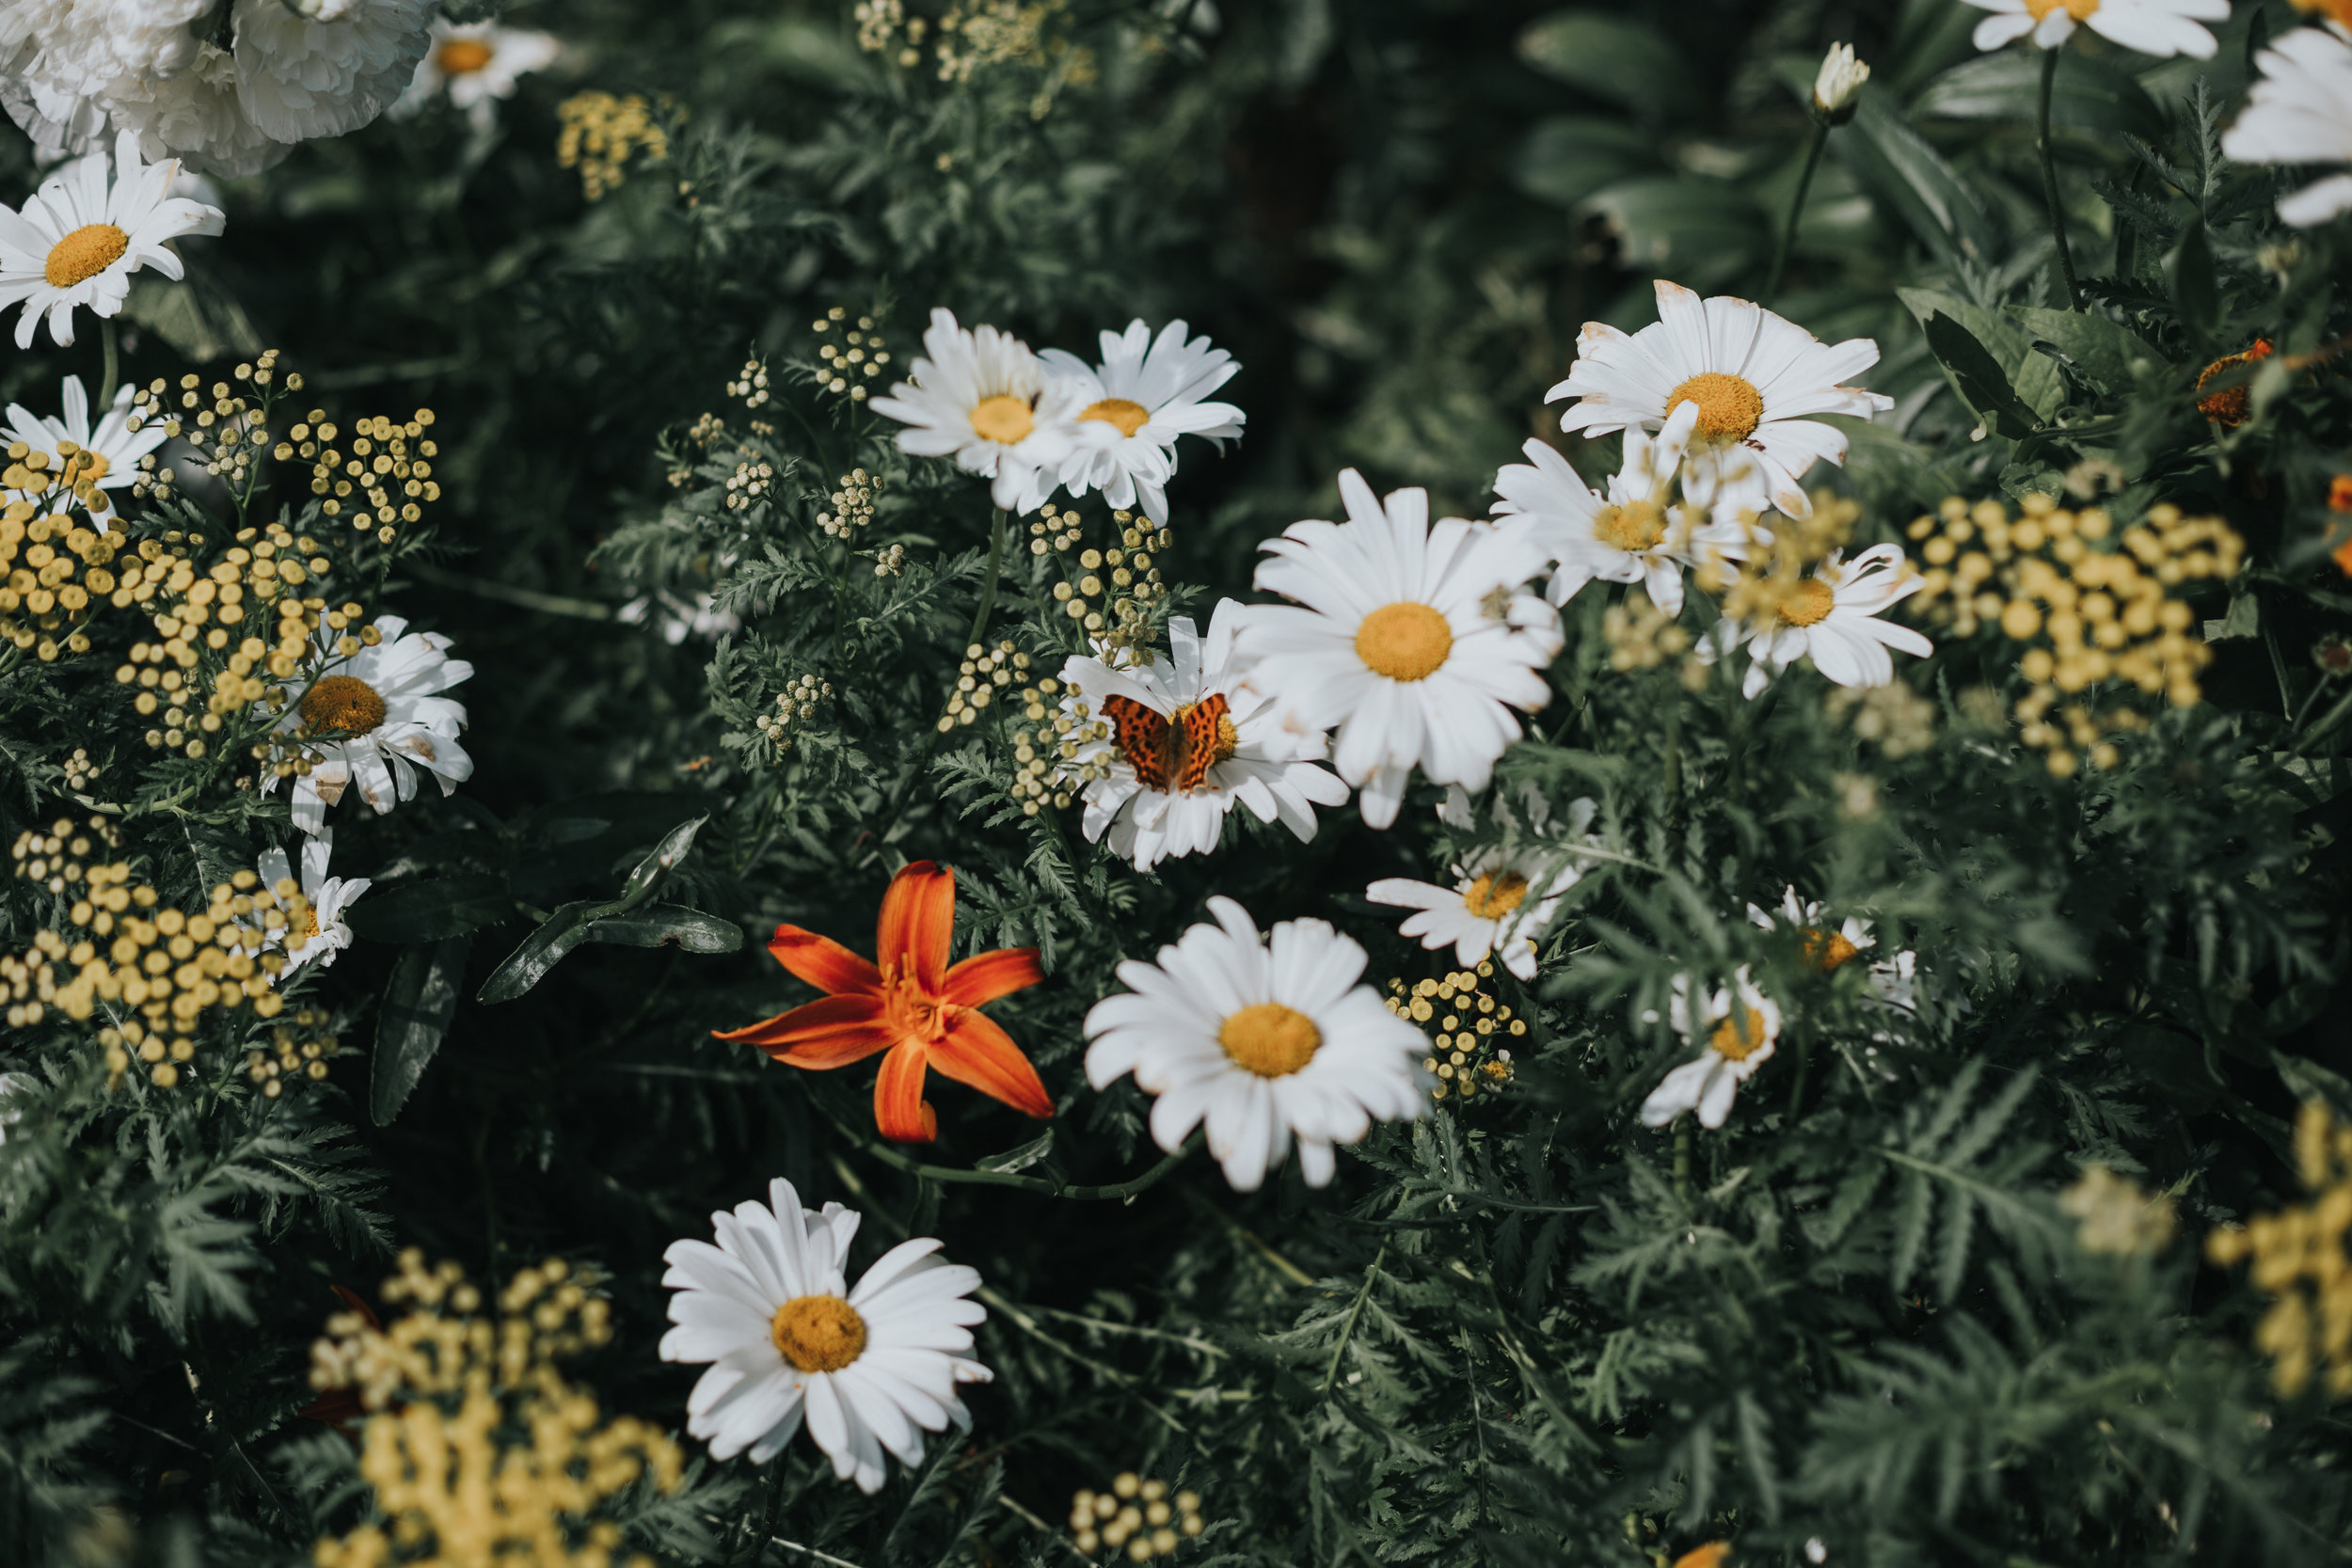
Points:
(977, 1053)
(831, 1033)
(824, 962)
(918, 922)
(899, 1110)
(986, 976)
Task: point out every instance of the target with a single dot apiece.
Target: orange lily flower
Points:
(923, 1012)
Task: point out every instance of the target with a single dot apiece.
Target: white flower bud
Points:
(1839, 80)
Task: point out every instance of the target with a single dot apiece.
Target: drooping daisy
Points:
(1188, 741)
(868, 1369)
(1741, 1027)
(2301, 113)
(81, 236)
(2152, 27)
(1149, 390)
(1893, 982)
(1638, 534)
(1265, 1039)
(114, 448)
(1832, 617)
(1415, 642)
(375, 718)
(325, 933)
(1758, 381)
(477, 64)
(982, 397)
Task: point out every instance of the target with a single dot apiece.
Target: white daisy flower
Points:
(81, 236)
(1893, 982)
(1638, 534)
(377, 718)
(868, 1369)
(114, 448)
(1758, 381)
(1498, 903)
(2301, 113)
(983, 398)
(1832, 618)
(1739, 1039)
(1149, 391)
(1414, 642)
(1188, 742)
(477, 64)
(325, 933)
(1264, 1043)
(2152, 27)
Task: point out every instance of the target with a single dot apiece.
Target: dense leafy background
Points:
(1520, 1332)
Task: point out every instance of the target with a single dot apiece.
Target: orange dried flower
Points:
(914, 1005)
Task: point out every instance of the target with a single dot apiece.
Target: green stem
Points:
(112, 377)
(1796, 209)
(2050, 185)
(1347, 1330)
(1682, 1159)
(988, 588)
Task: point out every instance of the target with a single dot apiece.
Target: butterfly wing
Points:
(1142, 738)
(1199, 749)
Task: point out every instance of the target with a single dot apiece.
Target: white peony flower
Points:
(868, 1369)
(81, 236)
(2162, 27)
(1759, 382)
(1415, 642)
(983, 398)
(379, 718)
(1264, 1043)
(1148, 390)
(325, 932)
(1188, 741)
(2301, 113)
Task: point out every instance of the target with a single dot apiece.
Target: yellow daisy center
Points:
(1129, 417)
(1737, 1040)
(1730, 408)
(83, 254)
(1491, 897)
(1826, 950)
(1270, 1039)
(462, 57)
(1634, 527)
(1808, 602)
(818, 1334)
(343, 703)
(1003, 419)
(1405, 642)
(2079, 9)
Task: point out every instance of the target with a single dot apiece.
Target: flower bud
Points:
(1837, 83)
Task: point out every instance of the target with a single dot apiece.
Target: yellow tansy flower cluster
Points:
(1046, 767)
(1641, 636)
(2303, 1261)
(1113, 597)
(200, 617)
(2118, 1216)
(1471, 1024)
(2091, 607)
(387, 457)
(229, 431)
(852, 504)
(57, 859)
(601, 133)
(846, 369)
(977, 678)
(56, 567)
(796, 705)
(1780, 560)
(478, 1450)
(172, 966)
(299, 1047)
(1137, 1514)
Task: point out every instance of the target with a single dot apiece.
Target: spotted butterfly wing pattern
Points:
(1142, 738)
(1197, 743)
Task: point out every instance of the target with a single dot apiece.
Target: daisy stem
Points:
(1682, 1159)
(988, 588)
(112, 376)
(1796, 209)
(1347, 1330)
(2050, 185)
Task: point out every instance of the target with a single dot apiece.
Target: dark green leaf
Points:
(1978, 378)
(1890, 157)
(2005, 87)
(430, 911)
(2194, 292)
(655, 866)
(1567, 159)
(661, 925)
(1624, 62)
(2105, 353)
(541, 951)
(1019, 1159)
(1701, 231)
(414, 1014)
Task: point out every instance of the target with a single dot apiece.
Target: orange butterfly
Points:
(1173, 756)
